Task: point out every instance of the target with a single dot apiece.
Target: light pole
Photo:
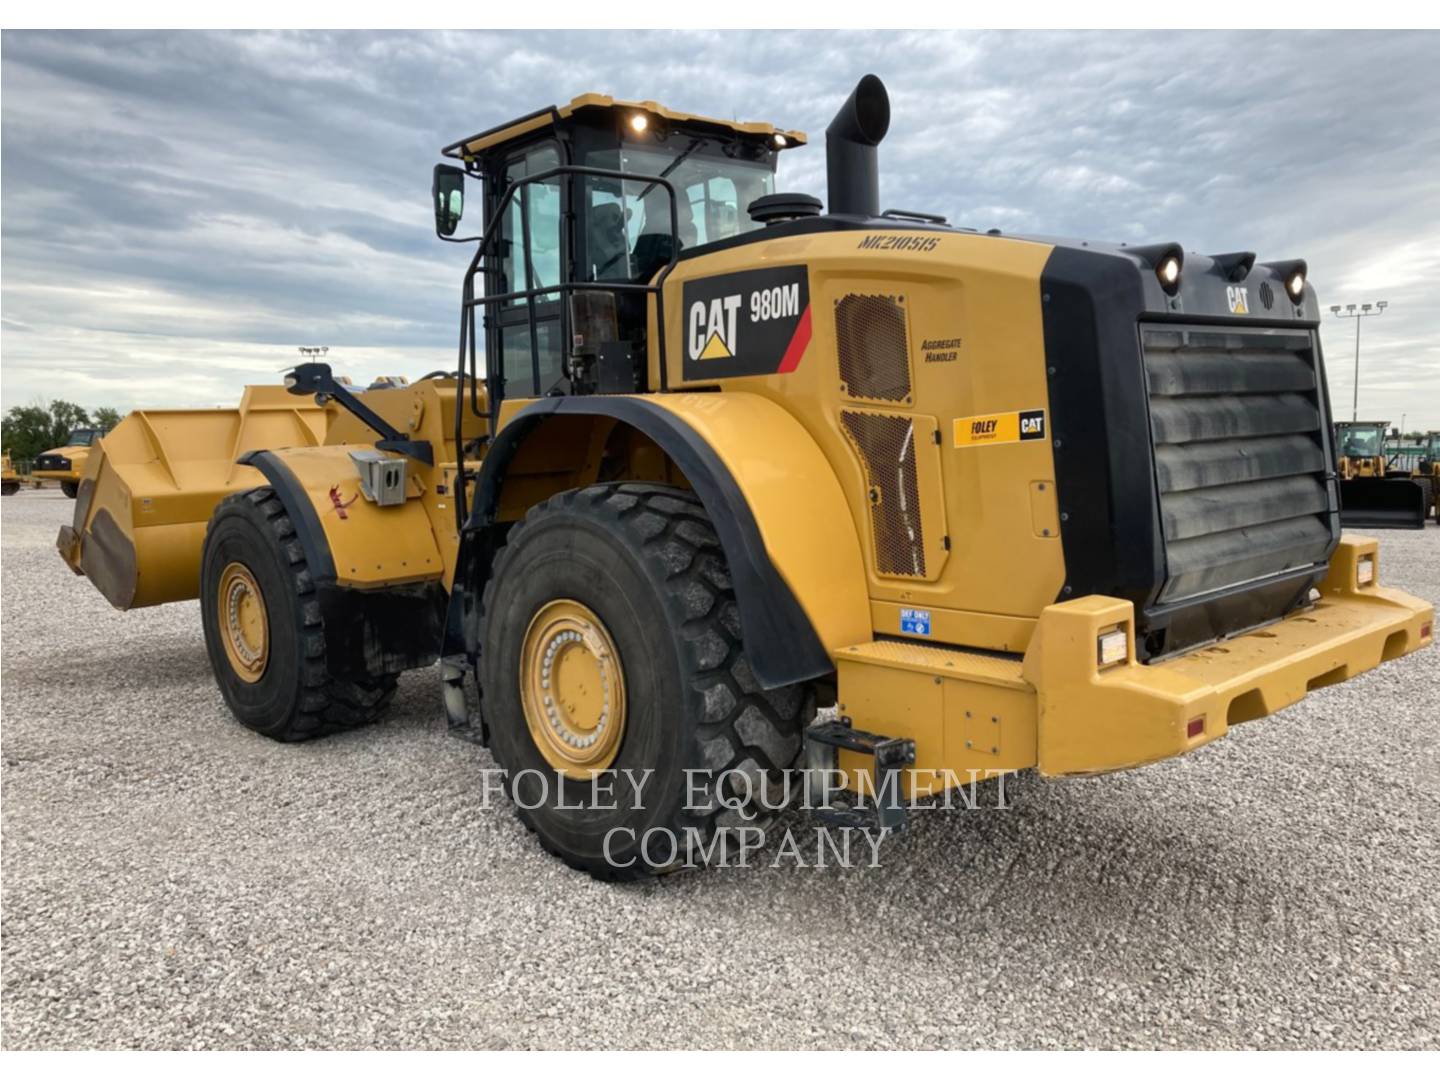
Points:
(1350, 312)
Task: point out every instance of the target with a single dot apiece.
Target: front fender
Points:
(378, 570)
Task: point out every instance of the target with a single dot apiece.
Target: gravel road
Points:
(172, 880)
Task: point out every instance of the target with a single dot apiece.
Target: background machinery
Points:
(1376, 490)
(66, 464)
(1428, 466)
(10, 481)
(1005, 502)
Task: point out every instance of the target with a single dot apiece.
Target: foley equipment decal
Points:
(753, 323)
(1005, 427)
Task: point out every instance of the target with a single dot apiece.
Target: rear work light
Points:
(1112, 647)
(1365, 570)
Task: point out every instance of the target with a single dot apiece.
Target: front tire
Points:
(264, 632)
(640, 567)
(9, 487)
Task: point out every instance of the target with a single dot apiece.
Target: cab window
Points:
(543, 201)
(627, 235)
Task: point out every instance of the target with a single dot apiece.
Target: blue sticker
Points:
(914, 621)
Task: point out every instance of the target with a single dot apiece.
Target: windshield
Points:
(81, 437)
(628, 232)
(1360, 442)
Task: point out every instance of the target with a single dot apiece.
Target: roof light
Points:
(780, 140)
(1295, 286)
(639, 122)
(1169, 270)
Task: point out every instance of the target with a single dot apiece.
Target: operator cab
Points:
(1362, 440)
(83, 437)
(586, 207)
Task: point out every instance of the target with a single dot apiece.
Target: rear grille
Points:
(886, 445)
(1239, 455)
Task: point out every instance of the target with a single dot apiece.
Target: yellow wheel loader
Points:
(1430, 468)
(66, 464)
(1374, 491)
(10, 481)
(1007, 502)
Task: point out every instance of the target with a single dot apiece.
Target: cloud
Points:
(180, 210)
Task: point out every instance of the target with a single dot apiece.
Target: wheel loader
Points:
(1004, 502)
(10, 480)
(1428, 466)
(1376, 491)
(66, 464)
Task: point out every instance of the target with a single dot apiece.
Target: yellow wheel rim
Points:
(244, 622)
(572, 688)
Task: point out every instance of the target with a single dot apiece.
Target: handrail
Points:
(495, 366)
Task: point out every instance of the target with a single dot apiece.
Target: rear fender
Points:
(776, 504)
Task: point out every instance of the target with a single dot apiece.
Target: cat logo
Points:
(756, 322)
(712, 328)
(1239, 299)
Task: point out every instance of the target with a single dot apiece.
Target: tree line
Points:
(29, 430)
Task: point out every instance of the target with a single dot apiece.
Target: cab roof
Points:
(496, 136)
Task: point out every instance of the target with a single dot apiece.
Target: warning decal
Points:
(1006, 427)
(752, 323)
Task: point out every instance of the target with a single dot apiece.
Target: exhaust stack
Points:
(851, 162)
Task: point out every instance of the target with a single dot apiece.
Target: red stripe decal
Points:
(796, 349)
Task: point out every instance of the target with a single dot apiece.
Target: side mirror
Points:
(448, 192)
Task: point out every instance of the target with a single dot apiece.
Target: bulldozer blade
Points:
(1379, 503)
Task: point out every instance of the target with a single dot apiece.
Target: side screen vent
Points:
(886, 446)
(874, 350)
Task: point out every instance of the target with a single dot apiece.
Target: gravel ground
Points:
(172, 880)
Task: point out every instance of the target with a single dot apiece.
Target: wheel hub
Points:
(572, 688)
(244, 622)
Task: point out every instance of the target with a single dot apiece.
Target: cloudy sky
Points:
(181, 210)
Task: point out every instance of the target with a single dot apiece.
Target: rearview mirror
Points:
(448, 192)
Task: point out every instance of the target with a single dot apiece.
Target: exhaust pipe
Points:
(852, 169)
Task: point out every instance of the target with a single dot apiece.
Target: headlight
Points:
(1295, 286)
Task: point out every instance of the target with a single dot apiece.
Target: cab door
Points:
(532, 361)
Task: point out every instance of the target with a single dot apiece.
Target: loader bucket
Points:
(152, 483)
(1377, 502)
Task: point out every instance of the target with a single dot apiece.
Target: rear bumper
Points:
(1097, 719)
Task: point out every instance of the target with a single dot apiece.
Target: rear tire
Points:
(646, 561)
(9, 487)
(70, 488)
(252, 550)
